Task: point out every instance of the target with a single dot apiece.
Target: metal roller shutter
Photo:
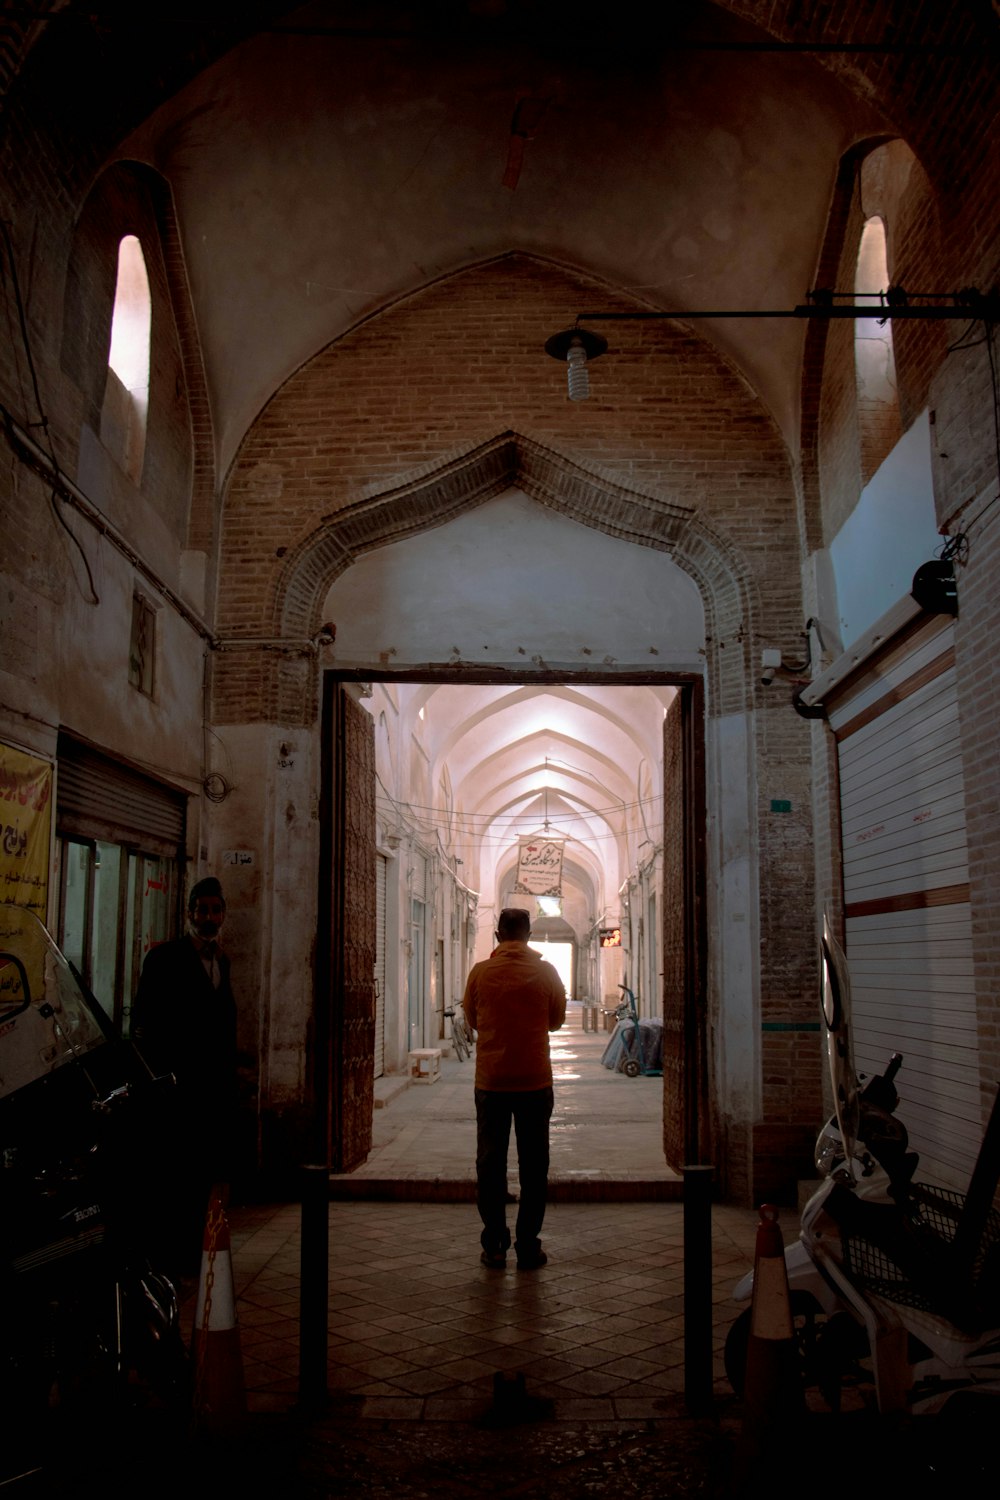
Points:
(906, 889)
(97, 797)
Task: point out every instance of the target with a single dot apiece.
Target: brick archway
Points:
(550, 478)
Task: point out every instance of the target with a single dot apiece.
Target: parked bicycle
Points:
(462, 1036)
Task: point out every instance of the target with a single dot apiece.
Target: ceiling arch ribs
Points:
(517, 749)
(518, 697)
(519, 804)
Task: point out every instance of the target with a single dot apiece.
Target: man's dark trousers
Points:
(531, 1111)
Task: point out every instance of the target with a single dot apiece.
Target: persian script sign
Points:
(539, 867)
(25, 813)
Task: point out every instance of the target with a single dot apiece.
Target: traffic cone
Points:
(219, 1394)
(773, 1395)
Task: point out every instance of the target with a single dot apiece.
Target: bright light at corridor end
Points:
(576, 346)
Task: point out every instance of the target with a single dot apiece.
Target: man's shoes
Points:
(495, 1259)
(531, 1260)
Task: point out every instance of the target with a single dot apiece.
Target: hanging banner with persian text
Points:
(539, 867)
(25, 821)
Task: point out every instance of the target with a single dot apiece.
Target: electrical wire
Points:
(43, 421)
(410, 813)
(487, 818)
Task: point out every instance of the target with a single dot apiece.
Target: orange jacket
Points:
(514, 999)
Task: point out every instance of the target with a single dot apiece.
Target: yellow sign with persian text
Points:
(25, 824)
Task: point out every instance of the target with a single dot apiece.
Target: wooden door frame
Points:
(698, 1114)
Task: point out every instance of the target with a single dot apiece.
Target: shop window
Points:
(879, 427)
(115, 904)
(126, 394)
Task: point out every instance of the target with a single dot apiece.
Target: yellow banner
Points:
(25, 821)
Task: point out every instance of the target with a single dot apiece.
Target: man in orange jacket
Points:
(513, 999)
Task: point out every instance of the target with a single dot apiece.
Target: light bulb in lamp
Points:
(576, 346)
(578, 376)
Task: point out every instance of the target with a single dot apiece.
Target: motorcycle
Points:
(891, 1281)
(90, 1325)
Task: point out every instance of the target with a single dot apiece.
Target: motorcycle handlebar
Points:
(124, 1091)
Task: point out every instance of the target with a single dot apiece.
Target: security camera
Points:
(770, 661)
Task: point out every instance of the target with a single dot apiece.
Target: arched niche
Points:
(512, 461)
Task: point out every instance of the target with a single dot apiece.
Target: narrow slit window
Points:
(126, 400)
(879, 427)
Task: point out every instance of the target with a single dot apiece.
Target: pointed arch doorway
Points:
(512, 566)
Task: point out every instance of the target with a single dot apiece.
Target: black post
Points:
(698, 1287)
(314, 1278)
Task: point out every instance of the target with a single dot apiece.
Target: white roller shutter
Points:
(906, 889)
(381, 864)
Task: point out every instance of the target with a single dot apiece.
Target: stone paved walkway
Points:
(418, 1328)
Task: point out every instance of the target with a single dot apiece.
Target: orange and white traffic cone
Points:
(772, 1392)
(219, 1394)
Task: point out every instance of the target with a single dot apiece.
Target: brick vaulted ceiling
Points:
(329, 159)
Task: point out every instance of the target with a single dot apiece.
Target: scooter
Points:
(891, 1280)
(90, 1324)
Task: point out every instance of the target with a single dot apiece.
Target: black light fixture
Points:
(576, 346)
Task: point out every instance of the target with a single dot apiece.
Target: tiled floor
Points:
(418, 1328)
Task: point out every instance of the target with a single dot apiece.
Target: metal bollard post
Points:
(698, 1287)
(314, 1279)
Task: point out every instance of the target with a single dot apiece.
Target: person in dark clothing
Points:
(184, 1023)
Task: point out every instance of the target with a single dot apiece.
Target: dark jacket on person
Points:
(185, 1025)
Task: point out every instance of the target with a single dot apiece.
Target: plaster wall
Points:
(66, 649)
(265, 848)
(510, 583)
(889, 534)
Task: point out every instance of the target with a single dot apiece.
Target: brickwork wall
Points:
(456, 365)
(360, 446)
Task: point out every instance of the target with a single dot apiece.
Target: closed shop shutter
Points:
(100, 798)
(381, 869)
(906, 889)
